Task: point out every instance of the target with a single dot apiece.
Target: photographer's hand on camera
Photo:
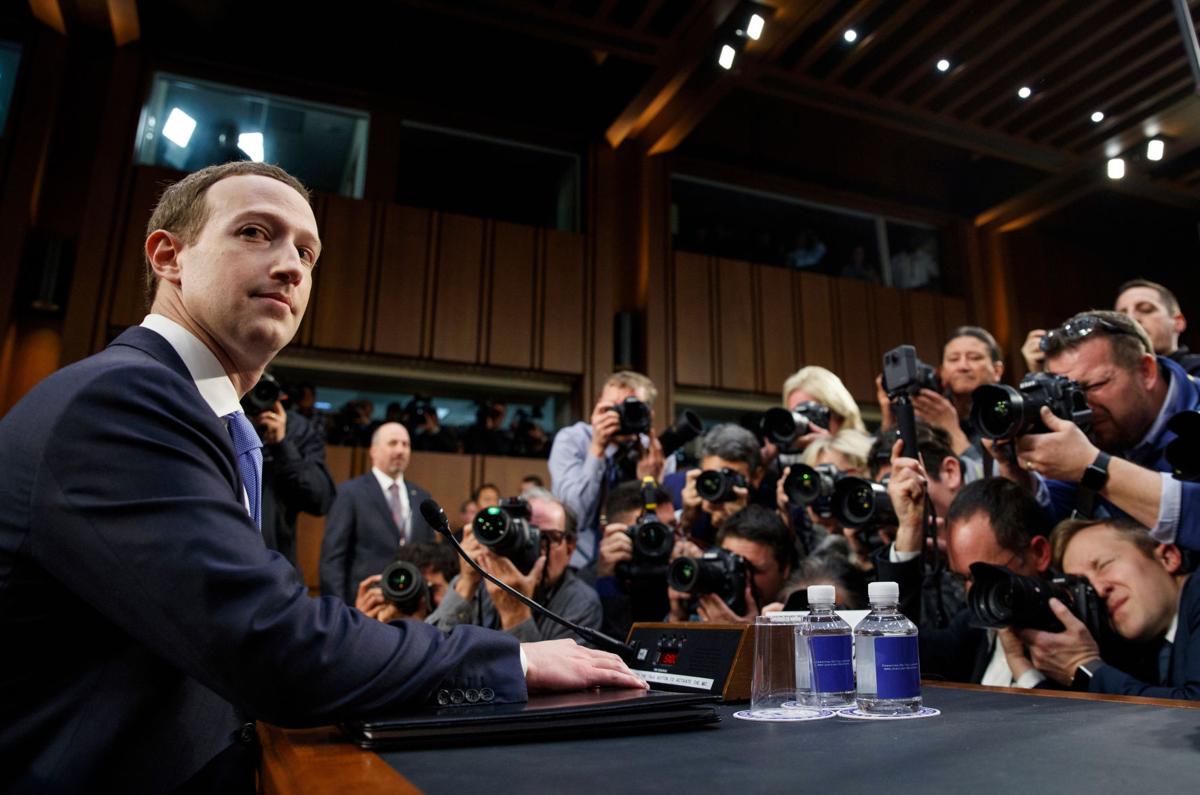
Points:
(616, 547)
(370, 600)
(651, 462)
(468, 579)
(1062, 454)
(272, 424)
(1032, 352)
(1004, 456)
(907, 488)
(1014, 652)
(718, 512)
(938, 411)
(712, 609)
(605, 425)
(1059, 654)
(512, 611)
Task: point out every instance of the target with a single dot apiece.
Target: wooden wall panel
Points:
(456, 306)
(563, 315)
(777, 321)
(924, 312)
(339, 309)
(817, 319)
(954, 314)
(507, 472)
(735, 329)
(128, 305)
(891, 328)
(513, 297)
(693, 304)
(856, 329)
(399, 311)
(311, 529)
(447, 477)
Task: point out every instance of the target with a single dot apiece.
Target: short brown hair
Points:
(182, 209)
(979, 333)
(635, 381)
(1129, 344)
(1168, 297)
(1127, 529)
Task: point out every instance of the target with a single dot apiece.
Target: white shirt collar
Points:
(211, 379)
(386, 482)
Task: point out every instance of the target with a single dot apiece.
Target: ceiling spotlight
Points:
(754, 27)
(179, 127)
(725, 59)
(851, 35)
(1116, 168)
(252, 144)
(1154, 149)
(1098, 116)
(1024, 92)
(943, 65)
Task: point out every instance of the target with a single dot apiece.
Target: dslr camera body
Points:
(905, 374)
(851, 500)
(1001, 598)
(1000, 412)
(653, 541)
(718, 571)
(506, 530)
(783, 427)
(262, 397)
(717, 485)
(634, 416)
(404, 586)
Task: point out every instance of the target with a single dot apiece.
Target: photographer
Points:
(627, 594)
(420, 417)
(550, 582)
(294, 476)
(730, 469)
(437, 563)
(1132, 394)
(990, 521)
(768, 552)
(588, 459)
(1151, 601)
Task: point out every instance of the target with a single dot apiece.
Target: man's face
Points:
(1123, 406)
(391, 449)
(967, 364)
(767, 575)
(550, 516)
(437, 584)
(798, 396)
(245, 279)
(487, 498)
(1140, 592)
(1147, 307)
(973, 540)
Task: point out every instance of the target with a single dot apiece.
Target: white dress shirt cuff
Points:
(524, 662)
(1171, 498)
(1030, 679)
(900, 557)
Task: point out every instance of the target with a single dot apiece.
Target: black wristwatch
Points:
(1096, 475)
(1084, 673)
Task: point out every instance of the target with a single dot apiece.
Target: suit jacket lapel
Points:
(376, 498)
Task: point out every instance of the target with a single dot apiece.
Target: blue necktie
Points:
(248, 448)
(1164, 663)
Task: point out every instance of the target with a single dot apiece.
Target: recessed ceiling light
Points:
(943, 65)
(1116, 168)
(1098, 116)
(1024, 92)
(851, 35)
(725, 59)
(1154, 149)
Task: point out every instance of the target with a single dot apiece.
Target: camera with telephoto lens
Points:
(905, 374)
(1000, 412)
(717, 485)
(262, 397)
(718, 571)
(1001, 598)
(634, 416)
(858, 502)
(404, 586)
(782, 427)
(812, 486)
(506, 530)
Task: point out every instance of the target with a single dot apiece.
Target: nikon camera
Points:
(1001, 598)
(783, 427)
(1000, 412)
(505, 529)
(404, 586)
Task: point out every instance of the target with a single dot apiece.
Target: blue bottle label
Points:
(897, 667)
(831, 663)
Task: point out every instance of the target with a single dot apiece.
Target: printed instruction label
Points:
(897, 667)
(679, 680)
(832, 666)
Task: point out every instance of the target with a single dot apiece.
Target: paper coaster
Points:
(798, 705)
(853, 712)
(784, 714)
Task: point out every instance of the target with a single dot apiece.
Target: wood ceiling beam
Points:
(648, 14)
(860, 10)
(117, 19)
(870, 38)
(978, 25)
(903, 49)
(1122, 119)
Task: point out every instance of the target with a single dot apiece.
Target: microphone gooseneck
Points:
(436, 517)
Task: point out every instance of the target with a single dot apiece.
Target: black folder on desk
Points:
(544, 717)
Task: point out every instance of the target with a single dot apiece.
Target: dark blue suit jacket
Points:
(361, 537)
(1183, 675)
(143, 620)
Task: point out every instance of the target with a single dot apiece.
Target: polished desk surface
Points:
(985, 740)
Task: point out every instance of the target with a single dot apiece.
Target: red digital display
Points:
(668, 658)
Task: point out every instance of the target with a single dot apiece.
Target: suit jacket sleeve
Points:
(337, 545)
(301, 478)
(136, 509)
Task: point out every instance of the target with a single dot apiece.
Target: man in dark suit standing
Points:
(373, 515)
(145, 623)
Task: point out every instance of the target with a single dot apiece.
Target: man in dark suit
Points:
(1152, 602)
(144, 621)
(373, 515)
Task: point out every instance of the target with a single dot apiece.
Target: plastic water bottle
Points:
(830, 648)
(885, 645)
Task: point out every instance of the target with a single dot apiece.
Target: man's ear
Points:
(1180, 323)
(162, 251)
(951, 474)
(1043, 554)
(999, 368)
(1148, 370)
(1170, 557)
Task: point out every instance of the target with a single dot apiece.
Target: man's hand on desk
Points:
(564, 665)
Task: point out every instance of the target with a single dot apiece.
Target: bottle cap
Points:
(883, 591)
(821, 595)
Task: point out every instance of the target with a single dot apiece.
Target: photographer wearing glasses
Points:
(1122, 467)
(1149, 600)
(548, 581)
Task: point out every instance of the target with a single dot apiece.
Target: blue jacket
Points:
(144, 621)
(1184, 529)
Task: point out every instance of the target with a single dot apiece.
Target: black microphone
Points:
(436, 517)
